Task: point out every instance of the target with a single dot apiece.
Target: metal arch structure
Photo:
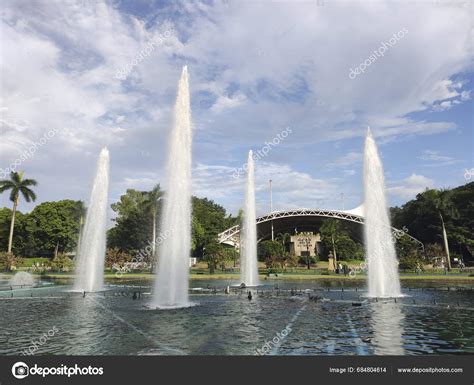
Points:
(231, 236)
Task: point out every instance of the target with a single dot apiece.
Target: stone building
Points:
(304, 244)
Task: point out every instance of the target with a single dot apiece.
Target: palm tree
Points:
(17, 185)
(283, 238)
(152, 203)
(441, 202)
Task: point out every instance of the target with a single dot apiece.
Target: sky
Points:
(80, 75)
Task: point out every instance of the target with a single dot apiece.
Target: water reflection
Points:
(112, 322)
(387, 322)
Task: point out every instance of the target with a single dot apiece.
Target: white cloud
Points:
(218, 183)
(59, 61)
(434, 158)
(349, 159)
(409, 187)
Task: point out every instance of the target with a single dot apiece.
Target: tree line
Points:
(438, 218)
(53, 228)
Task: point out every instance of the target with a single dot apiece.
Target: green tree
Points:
(55, 226)
(198, 234)
(231, 254)
(272, 252)
(335, 236)
(330, 234)
(23, 242)
(133, 223)
(422, 218)
(409, 262)
(442, 203)
(17, 186)
(433, 253)
(208, 220)
(283, 238)
(214, 254)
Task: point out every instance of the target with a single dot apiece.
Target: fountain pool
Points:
(113, 323)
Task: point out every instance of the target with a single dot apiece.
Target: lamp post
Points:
(271, 208)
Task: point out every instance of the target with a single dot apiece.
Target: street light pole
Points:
(271, 207)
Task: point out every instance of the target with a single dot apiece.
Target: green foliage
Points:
(336, 235)
(434, 253)
(208, 220)
(133, 228)
(18, 187)
(61, 263)
(291, 260)
(406, 247)
(409, 262)
(214, 254)
(422, 216)
(273, 253)
(152, 201)
(198, 234)
(408, 254)
(55, 224)
(230, 254)
(23, 242)
(48, 225)
(303, 260)
(133, 223)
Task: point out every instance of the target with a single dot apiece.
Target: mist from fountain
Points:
(382, 264)
(91, 251)
(248, 248)
(172, 278)
(22, 279)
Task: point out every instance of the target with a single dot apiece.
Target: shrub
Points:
(409, 263)
(115, 258)
(61, 262)
(9, 262)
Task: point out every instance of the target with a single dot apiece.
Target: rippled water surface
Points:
(276, 321)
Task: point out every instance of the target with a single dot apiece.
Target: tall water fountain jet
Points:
(379, 248)
(91, 251)
(248, 249)
(172, 279)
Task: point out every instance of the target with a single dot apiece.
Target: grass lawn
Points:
(28, 262)
(317, 272)
(310, 275)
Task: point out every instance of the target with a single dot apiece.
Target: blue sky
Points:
(256, 68)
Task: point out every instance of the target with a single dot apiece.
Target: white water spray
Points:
(248, 247)
(91, 251)
(379, 248)
(172, 279)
